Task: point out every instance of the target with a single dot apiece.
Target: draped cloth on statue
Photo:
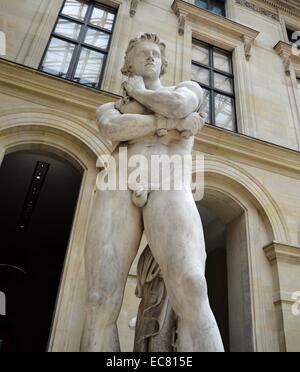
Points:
(156, 320)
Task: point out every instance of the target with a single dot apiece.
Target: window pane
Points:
(58, 57)
(68, 29)
(201, 75)
(89, 67)
(222, 61)
(102, 18)
(97, 38)
(200, 54)
(201, 3)
(223, 83)
(205, 107)
(75, 9)
(224, 112)
(217, 7)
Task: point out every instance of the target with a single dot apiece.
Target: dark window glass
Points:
(214, 6)
(212, 69)
(79, 44)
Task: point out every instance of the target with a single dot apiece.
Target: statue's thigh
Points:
(174, 231)
(114, 236)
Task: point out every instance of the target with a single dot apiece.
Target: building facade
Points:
(60, 60)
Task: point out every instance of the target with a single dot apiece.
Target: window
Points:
(79, 43)
(215, 6)
(212, 69)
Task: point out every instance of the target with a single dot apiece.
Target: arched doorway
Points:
(38, 197)
(234, 224)
(216, 269)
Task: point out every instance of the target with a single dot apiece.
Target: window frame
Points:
(211, 88)
(79, 43)
(209, 7)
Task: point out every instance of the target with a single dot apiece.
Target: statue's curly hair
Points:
(127, 68)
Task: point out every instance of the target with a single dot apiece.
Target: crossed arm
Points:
(172, 110)
(123, 127)
(177, 104)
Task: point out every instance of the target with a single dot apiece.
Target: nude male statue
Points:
(154, 120)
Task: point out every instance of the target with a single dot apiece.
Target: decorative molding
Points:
(234, 31)
(283, 297)
(274, 158)
(181, 24)
(286, 63)
(112, 3)
(233, 170)
(285, 51)
(133, 7)
(282, 252)
(260, 10)
(27, 80)
(247, 46)
(288, 6)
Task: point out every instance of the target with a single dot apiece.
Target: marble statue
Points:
(149, 120)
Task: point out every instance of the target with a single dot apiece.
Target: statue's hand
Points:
(190, 125)
(133, 84)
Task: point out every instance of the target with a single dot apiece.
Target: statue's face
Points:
(146, 60)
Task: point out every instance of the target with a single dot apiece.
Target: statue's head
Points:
(146, 57)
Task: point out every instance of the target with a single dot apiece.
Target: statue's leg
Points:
(174, 231)
(113, 240)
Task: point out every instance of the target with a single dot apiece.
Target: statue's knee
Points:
(194, 286)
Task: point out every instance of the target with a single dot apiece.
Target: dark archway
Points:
(216, 270)
(227, 270)
(38, 197)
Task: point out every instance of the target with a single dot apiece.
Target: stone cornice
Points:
(282, 252)
(29, 82)
(248, 150)
(39, 88)
(111, 3)
(288, 55)
(248, 4)
(263, 7)
(283, 47)
(289, 6)
(236, 32)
